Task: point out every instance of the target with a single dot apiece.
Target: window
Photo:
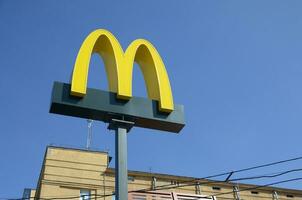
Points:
(85, 195)
(254, 192)
(290, 196)
(216, 188)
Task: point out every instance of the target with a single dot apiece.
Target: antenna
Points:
(89, 133)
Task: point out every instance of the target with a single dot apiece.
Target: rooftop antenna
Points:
(89, 133)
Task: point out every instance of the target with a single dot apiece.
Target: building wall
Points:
(143, 180)
(65, 172)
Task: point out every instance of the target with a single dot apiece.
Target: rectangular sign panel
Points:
(104, 106)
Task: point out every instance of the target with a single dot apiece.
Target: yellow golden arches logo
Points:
(119, 68)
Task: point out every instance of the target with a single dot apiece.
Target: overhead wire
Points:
(207, 196)
(220, 181)
(259, 186)
(227, 173)
(194, 181)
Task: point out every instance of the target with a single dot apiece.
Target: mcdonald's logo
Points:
(119, 68)
(156, 112)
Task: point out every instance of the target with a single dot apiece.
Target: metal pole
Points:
(121, 128)
(197, 188)
(275, 195)
(121, 177)
(236, 192)
(89, 133)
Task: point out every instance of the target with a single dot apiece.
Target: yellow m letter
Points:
(119, 68)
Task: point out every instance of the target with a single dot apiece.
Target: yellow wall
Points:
(66, 171)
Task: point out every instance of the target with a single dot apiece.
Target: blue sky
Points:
(236, 66)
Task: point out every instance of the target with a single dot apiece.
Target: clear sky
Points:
(236, 66)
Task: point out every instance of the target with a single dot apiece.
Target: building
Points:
(70, 173)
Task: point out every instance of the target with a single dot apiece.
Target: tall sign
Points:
(117, 106)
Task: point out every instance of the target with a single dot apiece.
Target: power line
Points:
(230, 180)
(218, 181)
(260, 186)
(268, 176)
(161, 187)
(230, 172)
(208, 196)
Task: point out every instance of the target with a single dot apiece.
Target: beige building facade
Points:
(70, 173)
